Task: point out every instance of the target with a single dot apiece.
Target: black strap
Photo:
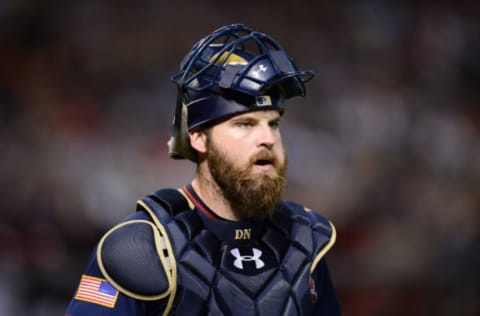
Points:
(171, 200)
(177, 119)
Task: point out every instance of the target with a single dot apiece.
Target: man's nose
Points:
(267, 136)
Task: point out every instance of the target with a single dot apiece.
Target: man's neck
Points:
(213, 197)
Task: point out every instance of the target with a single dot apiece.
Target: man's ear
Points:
(198, 141)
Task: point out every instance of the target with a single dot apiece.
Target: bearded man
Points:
(227, 243)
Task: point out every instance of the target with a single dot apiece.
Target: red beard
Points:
(250, 194)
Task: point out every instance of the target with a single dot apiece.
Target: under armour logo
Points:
(240, 259)
(262, 68)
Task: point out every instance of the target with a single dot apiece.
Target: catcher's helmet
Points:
(233, 70)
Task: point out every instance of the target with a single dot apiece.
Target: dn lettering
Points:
(243, 233)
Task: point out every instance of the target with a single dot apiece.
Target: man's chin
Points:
(264, 171)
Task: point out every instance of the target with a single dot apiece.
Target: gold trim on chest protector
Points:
(190, 203)
(173, 264)
(325, 249)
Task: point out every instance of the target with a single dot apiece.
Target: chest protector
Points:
(188, 259)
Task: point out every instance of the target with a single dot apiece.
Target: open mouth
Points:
(263, 162)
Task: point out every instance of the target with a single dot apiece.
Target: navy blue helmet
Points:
(233, 70)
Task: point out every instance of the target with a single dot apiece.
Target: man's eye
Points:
(274, 124)
(244, 124)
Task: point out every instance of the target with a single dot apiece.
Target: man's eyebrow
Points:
(244, 118)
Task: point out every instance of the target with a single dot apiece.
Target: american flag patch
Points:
(97, 291)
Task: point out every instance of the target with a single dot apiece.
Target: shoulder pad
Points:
(323, 233)
(137, 259)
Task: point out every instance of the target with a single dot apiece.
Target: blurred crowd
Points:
(386, 142)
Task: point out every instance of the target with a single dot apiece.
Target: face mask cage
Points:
(238, 59)
(233, 70)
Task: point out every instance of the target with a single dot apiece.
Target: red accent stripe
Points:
(198, 204)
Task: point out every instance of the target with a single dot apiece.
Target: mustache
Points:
(264, 156)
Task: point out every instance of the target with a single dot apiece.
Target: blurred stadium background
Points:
(386, 143)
